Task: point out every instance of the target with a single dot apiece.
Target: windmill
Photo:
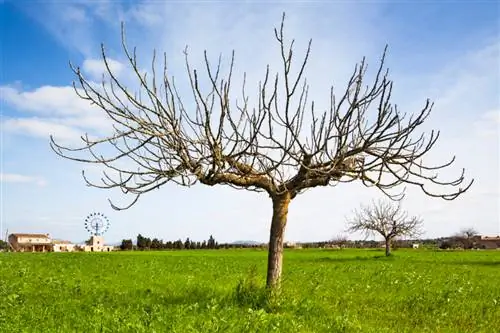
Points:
(96, 224)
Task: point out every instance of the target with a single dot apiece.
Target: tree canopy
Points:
(281, 145)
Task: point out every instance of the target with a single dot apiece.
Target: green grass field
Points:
(221, 291)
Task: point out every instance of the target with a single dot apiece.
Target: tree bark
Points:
(387, 247)
(275, 255)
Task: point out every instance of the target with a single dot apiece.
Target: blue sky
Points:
(447, 51)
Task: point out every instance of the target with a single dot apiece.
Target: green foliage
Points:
(250, 292)
(3, 245)
(145, 243)
(126, 245)
(223, 291)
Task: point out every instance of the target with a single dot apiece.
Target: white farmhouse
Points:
(30, 242)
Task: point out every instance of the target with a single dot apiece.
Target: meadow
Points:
(221, 291)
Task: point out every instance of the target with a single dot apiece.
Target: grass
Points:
(222, 291)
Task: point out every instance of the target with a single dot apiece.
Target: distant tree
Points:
(282, 145)
(143, 243)
(187, 244)
(126, 244)
(178, 245)
(211, 243)
(466, 237)
(399, 243)
(469, 233)
(385, 219)
(4, 245)
(339, 240)
(203, 245)
(445, 244)
(156, 244)
(140, 242)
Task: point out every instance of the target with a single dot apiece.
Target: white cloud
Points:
(41, 128)
(50, 110)
(23, 179)
(75, 15)
(96, 68)
(46, 100)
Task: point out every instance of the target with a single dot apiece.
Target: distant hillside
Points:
(245, 242)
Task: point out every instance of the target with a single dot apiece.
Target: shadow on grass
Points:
(352, 259)
(383, 258)
(463, 262)
(243, 295)
(248, 292)
(188, 297)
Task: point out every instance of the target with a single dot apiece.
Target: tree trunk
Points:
(387, 247)
(275, 255)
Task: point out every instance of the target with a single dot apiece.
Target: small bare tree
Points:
(468, 233)
(339, 240)
(386, 219)
(223, 141)
(466, 237)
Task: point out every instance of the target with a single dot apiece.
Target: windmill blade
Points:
(96, 223)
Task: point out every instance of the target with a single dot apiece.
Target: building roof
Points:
(490, 237)
(31, 235)
(60, 241)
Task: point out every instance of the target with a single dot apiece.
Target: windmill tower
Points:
(96, 224)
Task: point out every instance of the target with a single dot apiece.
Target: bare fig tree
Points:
(267, 147)
(386, 219)
(466, 237)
